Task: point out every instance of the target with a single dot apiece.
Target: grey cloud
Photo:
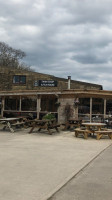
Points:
(89, 59)
(62, 37)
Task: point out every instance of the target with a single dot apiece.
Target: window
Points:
(109, 107)
(97, 106)
(18, 79)
(48, 104)
(11, 103)
(84, 106)
(84, 109)
(29, 104)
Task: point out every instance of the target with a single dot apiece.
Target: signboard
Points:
(46, 83)
(35, 83)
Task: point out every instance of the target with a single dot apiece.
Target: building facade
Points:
(23, 92)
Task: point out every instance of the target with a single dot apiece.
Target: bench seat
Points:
(104, 132)
(82, 131)
(18, 124)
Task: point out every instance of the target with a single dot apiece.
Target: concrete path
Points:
(34, 166)
(94, 182)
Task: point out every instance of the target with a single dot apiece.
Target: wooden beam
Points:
(105, 102)
(90, 109)
(38, 105)
(2, 106)
(20, 104)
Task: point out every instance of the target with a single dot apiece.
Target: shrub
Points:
(49, 116)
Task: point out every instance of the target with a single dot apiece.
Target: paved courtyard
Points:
(34, 166)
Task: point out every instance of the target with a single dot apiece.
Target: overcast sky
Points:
(62, 37)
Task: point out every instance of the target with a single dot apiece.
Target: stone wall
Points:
(6, 81)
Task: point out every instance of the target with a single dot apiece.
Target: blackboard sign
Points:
(46, 83)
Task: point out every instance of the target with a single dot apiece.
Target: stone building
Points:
(23, 92)
(11, 80)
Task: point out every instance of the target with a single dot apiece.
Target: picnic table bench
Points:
(81, 131)
(101, 133)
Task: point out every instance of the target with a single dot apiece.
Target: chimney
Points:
(69, 79)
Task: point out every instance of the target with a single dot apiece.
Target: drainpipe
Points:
(69, 79)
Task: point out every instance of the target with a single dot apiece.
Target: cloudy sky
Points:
(62, 37)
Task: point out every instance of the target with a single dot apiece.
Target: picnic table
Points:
(70, 123)
(12, 122)
(98, 126)
(93, 128)
(44, 124)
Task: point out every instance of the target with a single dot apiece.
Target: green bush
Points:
(49, 116)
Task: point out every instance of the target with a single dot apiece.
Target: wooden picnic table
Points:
(70, 123)
(44, 124)
(11, 122)
(98, 126)
(91, 128)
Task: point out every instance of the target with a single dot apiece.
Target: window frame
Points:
(19, 77)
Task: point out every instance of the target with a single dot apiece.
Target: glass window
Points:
(97, 109)
(97, 106)
(18, 79)
(109, 107)
(48, 104)
(11, 103)
(84, 109)
(29, 104)
(84, 106)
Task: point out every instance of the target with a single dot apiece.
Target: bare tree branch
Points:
(10, 57)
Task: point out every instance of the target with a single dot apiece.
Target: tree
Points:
(10, 57)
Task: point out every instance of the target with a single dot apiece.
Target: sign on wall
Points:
(35, 83)
(46, 83)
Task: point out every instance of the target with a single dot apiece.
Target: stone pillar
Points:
(76, 112)
(61, 110)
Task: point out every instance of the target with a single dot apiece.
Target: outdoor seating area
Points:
(82, 129)
(89, 115)
(13, 124)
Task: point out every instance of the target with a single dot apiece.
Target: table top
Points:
(44, 120)
(94, 124)
(9, 119)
